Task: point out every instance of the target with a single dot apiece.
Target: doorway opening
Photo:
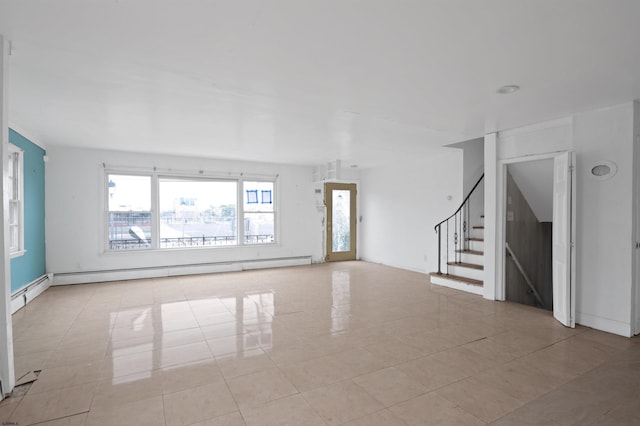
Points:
(562, 298)
(340, 199)
(528, 233)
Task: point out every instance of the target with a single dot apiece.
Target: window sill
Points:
(187, 249)
(17, 254)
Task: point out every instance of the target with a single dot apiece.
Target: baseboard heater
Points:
(29, 292)
(175, 270)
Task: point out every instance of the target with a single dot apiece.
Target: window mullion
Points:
(240, 213)
(155, 212)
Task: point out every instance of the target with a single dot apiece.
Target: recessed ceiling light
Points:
(507, 90)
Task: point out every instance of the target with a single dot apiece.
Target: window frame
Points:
(18, 193)
(200, 178)
(106, 210)
(156, 175)
(273, 210)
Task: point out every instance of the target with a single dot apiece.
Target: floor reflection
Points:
(341, 300)
(154, 338)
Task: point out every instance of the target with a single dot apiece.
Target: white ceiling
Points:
(309, 81)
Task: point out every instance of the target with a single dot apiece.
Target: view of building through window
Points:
(197, 212)
(192, 212)
(259, 225)
(129, 211)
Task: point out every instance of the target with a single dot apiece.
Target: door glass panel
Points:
(341, 235)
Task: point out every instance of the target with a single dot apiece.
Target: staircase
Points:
(467, 273)
(461, 249)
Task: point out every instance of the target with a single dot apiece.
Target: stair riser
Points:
(477, 233)
(476, 274)
(457, 285)
(476, 245)
(472, 258)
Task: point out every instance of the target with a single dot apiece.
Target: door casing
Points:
(347, 255)
(500, 285)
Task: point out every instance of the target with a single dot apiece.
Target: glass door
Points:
(340, 199)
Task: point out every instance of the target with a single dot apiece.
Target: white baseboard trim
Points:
(394, 265)
(175, 270)
(604, 324)
(26, 294)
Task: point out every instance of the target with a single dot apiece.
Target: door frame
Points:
(501, 223)
(635, 285)
(355, 238)
(7, 372)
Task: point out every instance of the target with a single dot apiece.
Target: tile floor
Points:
(346, 343)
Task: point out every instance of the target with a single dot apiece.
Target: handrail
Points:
(461, 205)
(526, 278)
(461, 230)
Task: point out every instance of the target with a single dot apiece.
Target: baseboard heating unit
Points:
(29, 292)
(175, 270)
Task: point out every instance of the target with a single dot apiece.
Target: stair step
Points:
(465, 280)
(475, 239)
(476, 252)
(467, 265)
(478, 227)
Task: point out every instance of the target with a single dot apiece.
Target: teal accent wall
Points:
(32, 264)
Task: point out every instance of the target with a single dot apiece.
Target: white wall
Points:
(605, 217)
(75, 212)
(604, 207)
(473, 169)
(473, 162)
(400, 205)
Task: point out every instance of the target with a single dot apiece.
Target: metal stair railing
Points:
(461, 229)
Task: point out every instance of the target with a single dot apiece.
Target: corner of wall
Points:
(491, 263)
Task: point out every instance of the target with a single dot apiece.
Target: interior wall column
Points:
(7, 374)
(491, 195)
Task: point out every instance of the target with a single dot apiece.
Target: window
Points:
(156, 211)
(258, 213)
(197, 212)
(129, 207)
(16, 201)
(252, 196)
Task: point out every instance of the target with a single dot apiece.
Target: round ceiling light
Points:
(508, 89)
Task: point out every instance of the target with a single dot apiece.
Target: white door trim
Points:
(500, 221)
(7, 376)
(635, 309)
